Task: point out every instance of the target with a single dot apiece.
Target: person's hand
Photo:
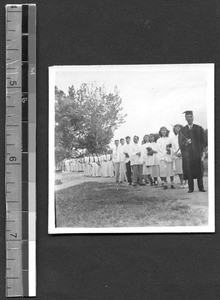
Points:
(139, 153)
(189, 141)
(126, 154)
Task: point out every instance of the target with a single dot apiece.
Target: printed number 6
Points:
(12, 158)
(12, 82)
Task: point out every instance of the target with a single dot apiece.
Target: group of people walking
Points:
(163, 157)
(157, 158)
(93, 165)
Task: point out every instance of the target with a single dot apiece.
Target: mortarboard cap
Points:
(188, 112)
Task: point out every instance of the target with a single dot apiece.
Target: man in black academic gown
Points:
(192, 141)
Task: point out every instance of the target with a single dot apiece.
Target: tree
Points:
(86, 118)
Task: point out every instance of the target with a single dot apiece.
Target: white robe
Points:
(136, 159)
(127, 149)
(115, 157)
(104, 165)
(110, 167)
(177, 160)
(165, 160)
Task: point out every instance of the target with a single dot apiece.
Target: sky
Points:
(152, 95)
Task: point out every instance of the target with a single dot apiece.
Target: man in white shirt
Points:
(136, 162)
(127, 153)
(116, 160)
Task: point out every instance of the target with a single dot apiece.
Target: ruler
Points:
(20, 150)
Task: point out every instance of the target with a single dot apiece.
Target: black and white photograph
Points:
(131, 148)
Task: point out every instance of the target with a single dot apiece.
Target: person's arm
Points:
(183, 141)
(203, 139)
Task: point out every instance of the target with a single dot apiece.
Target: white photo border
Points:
(210, 228)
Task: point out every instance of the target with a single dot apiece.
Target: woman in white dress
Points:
(146, 167)
(95, 166)
(104, 165)
(165, 151)
(177, 155)
(154, 160)
(122, 170)
(99, 170)
(90, 168)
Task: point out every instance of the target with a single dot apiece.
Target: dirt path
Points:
(69, 179)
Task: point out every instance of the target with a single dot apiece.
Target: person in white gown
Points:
(116, 161)
(95, 166)
(110, 171)
(146, 167)
(104, 165)
(164, 146)
(90, 168)
(137, 161)
(154, 162)
(177, 155)
(122, 175)
(127, 153)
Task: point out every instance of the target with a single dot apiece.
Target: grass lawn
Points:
(106, 204)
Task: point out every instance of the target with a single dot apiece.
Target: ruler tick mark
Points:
(13, 87)
(13, 62)
(12, 249)
(15, 240)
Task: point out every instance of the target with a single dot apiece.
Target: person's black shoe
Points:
(190, 191)
(202, 190)
(165, 187)
(172, 186)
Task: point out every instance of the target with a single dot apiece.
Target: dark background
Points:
(129, 266)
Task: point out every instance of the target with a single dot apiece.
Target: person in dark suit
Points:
(192, 141)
